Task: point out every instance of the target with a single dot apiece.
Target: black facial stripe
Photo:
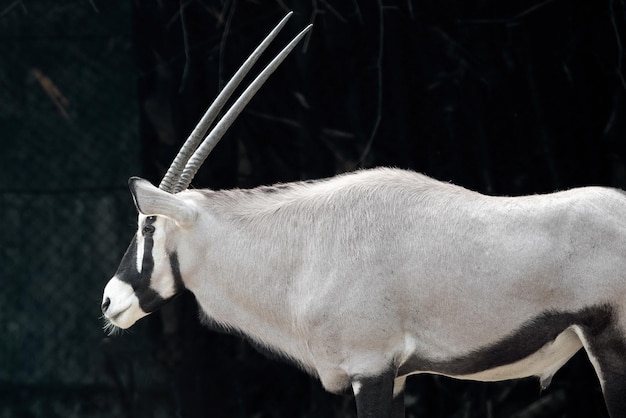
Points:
(147, 263)
(149, 299)
(178, 279)
(517, 346)
(128, 263)
(127, 272)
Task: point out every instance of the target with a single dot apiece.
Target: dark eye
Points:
(148, 229)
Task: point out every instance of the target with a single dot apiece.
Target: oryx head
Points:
(149, 275)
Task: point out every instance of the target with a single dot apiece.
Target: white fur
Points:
(354, 273)
(124, 309)
(140, 249)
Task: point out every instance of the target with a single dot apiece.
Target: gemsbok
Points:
(366, 278)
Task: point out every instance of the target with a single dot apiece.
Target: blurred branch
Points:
(514, 18)
(12, 6)
(185, 46)
(284, 121)
(620, 74)
(334, 11)
(55, 95)
(292, 123)
(379, 87)
(227, 23)
(93, 5)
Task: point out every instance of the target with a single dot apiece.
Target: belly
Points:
(543, 363)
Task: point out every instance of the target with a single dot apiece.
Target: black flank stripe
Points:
(529, 338)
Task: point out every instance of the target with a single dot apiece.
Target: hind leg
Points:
(607, 353)
(614, 390)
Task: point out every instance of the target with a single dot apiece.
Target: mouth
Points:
(122, 319)
(120, 305)
(113, 321)
(113, 318)
(109, 327)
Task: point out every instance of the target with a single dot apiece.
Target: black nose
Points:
(105, 304)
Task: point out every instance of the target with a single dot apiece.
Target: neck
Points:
(243, 280)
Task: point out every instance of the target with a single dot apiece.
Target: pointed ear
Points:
(151, 200)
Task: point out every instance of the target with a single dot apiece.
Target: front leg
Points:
(375, 396)
(398, 397)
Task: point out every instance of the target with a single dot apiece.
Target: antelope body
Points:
(368, 277)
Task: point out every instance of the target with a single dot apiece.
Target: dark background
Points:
(504, 97)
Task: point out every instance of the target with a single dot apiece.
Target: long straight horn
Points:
(175, 170)
(220, 128)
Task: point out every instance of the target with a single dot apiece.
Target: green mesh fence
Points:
(69, 140)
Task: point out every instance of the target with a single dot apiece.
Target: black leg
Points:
(610, 364)
(614, 389)
(607, 352)
(374, 396)
(398, 398)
